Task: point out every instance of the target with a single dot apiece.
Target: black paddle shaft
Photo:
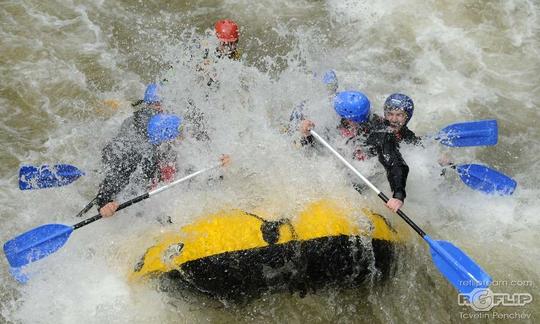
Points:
(122, 206)
(144, 196)
(379, 193)
(404, 216)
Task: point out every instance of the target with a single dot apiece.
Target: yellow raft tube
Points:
(236, 255)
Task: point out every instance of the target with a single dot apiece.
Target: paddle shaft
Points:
(372, 186)
(434, 245)
(144, 196)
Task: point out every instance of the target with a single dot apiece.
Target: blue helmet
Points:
(163, 127)
(398, 101)
(329, 77)
(352, 105)
(151, 94)
(331, 81)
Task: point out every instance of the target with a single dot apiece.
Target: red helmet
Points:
(227, 30)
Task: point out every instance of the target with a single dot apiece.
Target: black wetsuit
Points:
(384, 143)
(129, 151)
(376, 139)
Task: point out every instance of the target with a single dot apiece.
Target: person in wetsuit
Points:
(373, 135)
(141, 153)
(228, 35)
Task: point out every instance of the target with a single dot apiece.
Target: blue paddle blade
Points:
(36, 244)
(482, 178)
(45, 176)
(460, 270)
(19, 274)
(476, 133)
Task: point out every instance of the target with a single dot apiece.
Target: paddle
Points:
(475, 133)
(482, 178)
(458, 268)
(45, 176)
(41, 241)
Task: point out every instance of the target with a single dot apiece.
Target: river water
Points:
(70, 70)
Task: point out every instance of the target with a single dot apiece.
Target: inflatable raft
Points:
(236, 255)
